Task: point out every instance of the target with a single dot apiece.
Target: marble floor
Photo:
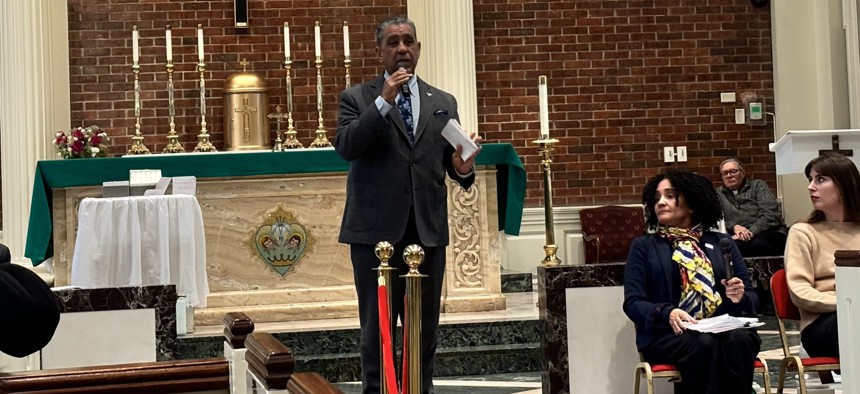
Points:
(523, 306)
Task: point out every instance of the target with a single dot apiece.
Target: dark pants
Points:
(767, 243)
(709, 363)
(363, 262)
(821, 337)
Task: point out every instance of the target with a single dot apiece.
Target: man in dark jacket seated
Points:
(28, 308)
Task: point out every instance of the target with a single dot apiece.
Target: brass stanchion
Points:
(414, 256)
(545, 146)
(321, 140)
(383, 251)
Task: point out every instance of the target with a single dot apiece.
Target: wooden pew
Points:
(177, 376)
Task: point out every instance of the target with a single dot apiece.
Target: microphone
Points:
(404, 89)
(726, 247)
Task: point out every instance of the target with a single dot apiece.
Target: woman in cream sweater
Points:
(834, 188)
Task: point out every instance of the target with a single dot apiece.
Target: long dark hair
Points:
(846, 177)
(698, 192)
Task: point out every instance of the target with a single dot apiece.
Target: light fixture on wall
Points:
(240, 13)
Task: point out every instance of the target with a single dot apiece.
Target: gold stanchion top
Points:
(414, 256)
(383, 251)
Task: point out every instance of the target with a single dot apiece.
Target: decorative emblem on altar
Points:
(281, 241)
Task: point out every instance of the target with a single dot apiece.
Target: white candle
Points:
(200, 43)
(168, 43)
(317, 40)
(544, 108)
(135, 49)
(345, 40)
(287, 40)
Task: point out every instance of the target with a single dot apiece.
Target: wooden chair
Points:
(670, 372)
(786, 310)
(608, 232)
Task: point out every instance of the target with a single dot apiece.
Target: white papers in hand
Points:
(723, 323)
(456, 136)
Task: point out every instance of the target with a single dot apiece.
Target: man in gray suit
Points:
(389, 129)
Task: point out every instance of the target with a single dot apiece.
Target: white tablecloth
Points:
(140, 241)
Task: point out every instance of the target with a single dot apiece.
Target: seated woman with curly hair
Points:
(676, 276)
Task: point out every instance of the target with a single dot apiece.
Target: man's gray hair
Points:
(396, 20)
(732, 159)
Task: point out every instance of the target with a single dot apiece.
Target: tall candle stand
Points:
(137, 147)
(346, 64)
(321, 140)
(545, 146)
(203, 144)
(173, 145)
(290, 136)
(277, 116)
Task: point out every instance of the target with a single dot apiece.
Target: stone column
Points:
(472, 278)
(447, 34)
(34, 102)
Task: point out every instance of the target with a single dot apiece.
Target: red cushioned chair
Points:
(786, 310)
(669, 371)
(608, 232)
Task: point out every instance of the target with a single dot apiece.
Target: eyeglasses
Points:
(728, 173)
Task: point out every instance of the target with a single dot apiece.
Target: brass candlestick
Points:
(137, 147)
(346, 64)
(173, 145)
(545, 146)
(291, 141)
(277, 116)
(321, 141)
(414, 256)
(203, 144)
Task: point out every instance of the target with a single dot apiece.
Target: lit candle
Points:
(287, 40)
(544, 108)
(168, 38)
(200, 43)
(135, 49)
(345, 40)
(317, 40)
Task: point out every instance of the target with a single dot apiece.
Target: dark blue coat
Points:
(652, 284)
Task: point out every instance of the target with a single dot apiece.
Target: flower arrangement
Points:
(82, 142)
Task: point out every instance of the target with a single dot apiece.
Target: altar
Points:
(271, 221)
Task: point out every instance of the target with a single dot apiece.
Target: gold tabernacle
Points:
(246, 104)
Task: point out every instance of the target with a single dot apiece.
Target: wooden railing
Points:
(180, 376)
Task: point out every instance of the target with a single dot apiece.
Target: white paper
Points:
(723, 323)
(456, 136)
(185, 185)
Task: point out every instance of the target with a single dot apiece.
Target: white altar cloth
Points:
(140, 241)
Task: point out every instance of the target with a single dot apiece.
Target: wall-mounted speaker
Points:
(240, 13)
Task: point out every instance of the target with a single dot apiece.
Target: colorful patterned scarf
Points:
(698, 297)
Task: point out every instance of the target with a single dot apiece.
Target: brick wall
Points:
(625, 77)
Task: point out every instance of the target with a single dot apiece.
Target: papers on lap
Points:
(723, 323)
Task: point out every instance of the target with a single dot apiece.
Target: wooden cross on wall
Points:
(834, 141)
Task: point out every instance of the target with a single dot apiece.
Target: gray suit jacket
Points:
(388, 176)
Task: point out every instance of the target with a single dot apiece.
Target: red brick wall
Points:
(625, 77)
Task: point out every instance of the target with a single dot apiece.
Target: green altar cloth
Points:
(54, 174)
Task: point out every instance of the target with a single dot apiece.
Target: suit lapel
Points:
(664, 256)
(394, 116)
(426, 111)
